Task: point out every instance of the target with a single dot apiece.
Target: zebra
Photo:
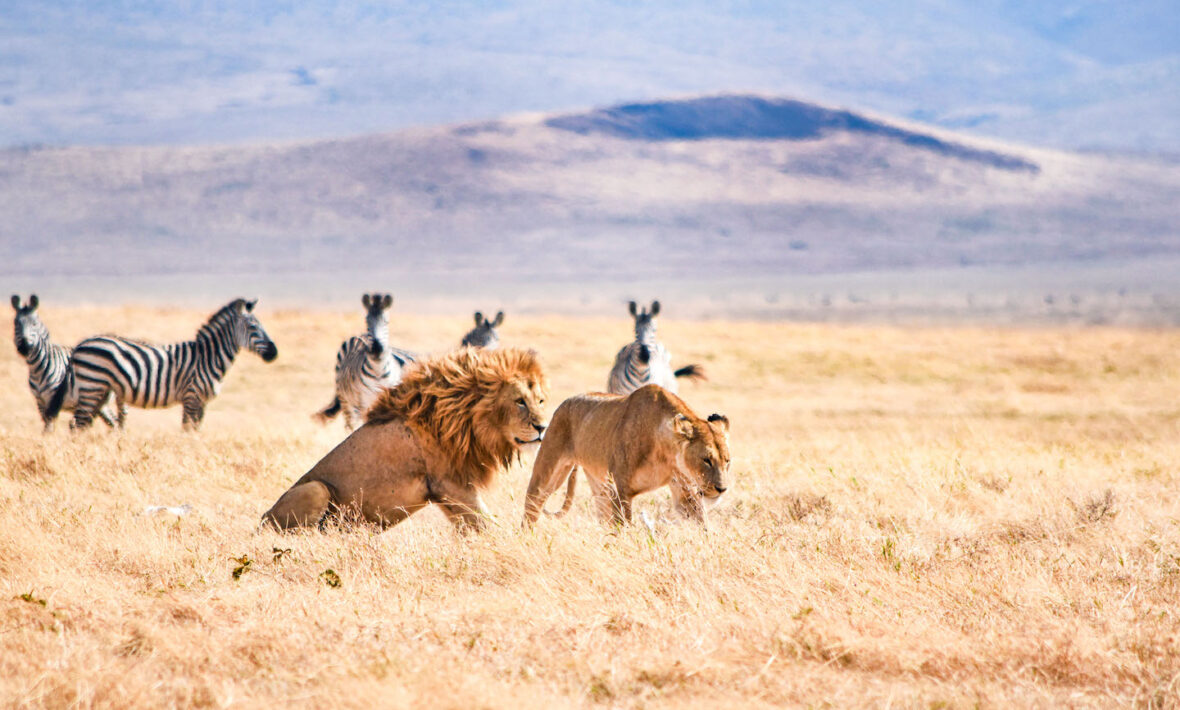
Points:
(645, 360)
(484, 334)
(150, 376)
(366, 364)
(49, 364)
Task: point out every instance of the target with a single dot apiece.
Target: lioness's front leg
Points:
(462, 504)
(688, 501)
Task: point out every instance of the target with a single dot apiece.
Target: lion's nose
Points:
(719, 489)
(540, 428)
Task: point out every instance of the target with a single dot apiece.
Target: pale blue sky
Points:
(1081, 74)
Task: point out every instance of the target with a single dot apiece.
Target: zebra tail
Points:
(59, 398)
(328, 412)
(693, 372)
(569, 495)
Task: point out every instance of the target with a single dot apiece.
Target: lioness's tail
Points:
(693, 372)
(328, 412)
(569, 494)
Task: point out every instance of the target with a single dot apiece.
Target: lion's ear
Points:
(682, 425)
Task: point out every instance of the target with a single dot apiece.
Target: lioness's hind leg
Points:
(302, 506)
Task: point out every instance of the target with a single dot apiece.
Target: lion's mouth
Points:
(522, 442)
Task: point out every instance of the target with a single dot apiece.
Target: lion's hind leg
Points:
(304, 505)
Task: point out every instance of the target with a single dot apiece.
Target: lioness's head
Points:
(704, 446)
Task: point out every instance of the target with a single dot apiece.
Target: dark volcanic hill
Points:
(721, 185)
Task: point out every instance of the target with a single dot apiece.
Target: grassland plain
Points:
(917, 517)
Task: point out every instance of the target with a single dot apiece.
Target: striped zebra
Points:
(49, 364)
(484, 334)
(646, 360)
(150, 376)
(366, 364)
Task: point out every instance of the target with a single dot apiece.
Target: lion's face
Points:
(705, 453)
(518, 411)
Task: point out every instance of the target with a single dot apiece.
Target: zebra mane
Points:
(222, 318)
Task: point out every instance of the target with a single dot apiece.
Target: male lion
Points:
(439, 436)
(644, 440)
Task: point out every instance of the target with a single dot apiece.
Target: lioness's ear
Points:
(499, 319)
(16, 301)
(721, 420)
(478, 318)
(682, 425)
(655, 308)
(631, 307)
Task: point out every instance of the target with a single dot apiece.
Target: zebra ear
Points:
(655, 308)
(16, 301)
(631, 307)
(499, 319)
(478, 319)
(33, 301)
(387, 301)
(250, 305)
(366, 301)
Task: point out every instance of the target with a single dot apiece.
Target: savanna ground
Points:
(917, 517)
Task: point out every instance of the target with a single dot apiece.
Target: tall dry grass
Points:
(935, 517)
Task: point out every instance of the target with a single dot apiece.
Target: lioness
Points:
(643, 440)
(439, 436)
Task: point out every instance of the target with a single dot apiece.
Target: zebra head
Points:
(484, 334)
(645, 321)
(377, 308)
(29, 333)
(248, 332)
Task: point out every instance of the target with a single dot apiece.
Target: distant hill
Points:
(717, 186)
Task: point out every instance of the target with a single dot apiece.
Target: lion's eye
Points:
(520, 402)
(708, 461)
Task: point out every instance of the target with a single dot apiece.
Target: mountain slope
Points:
(722, 185)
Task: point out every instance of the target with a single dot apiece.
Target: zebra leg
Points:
(194, 412)
(304, 505)
(120, 412)
(107, 414)
(88, 403)
(46, 421)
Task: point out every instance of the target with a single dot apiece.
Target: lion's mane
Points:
(452, 397)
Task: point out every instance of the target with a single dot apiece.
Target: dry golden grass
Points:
(934, 517)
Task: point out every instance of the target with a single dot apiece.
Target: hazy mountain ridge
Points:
(530, 196)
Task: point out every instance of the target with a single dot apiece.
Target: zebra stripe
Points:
(49, 364)
(484, 334)
(645, 360)
(366, 364)
(151, 376)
